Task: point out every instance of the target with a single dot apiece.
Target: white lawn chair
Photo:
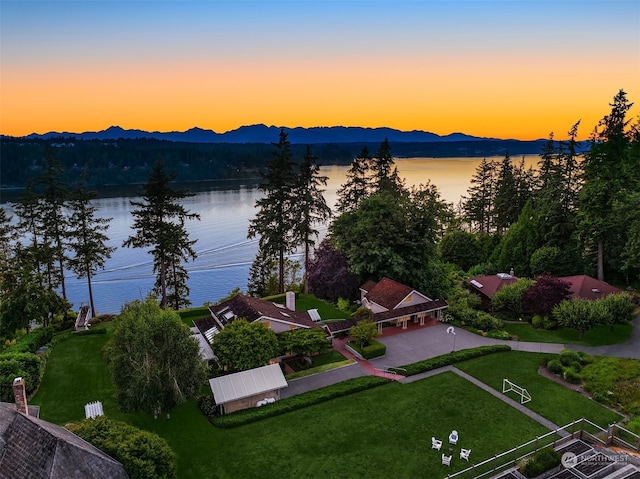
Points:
(435, 444)
(453, 437)
(446, 460)
(464, 454)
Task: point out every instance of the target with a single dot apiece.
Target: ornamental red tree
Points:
(545, 294)
(329, 276)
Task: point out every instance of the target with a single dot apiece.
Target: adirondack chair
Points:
(453, 437)
(435, 444)
(464, 454)
(446, 460)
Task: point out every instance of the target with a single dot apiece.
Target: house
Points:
(586, 287)
(31, 448)
(276, 316)
(246, 389)
(487, 286)
(393, 303)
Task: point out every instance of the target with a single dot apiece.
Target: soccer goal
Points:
(508, 386)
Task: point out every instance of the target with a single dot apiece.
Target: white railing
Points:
(613, 435)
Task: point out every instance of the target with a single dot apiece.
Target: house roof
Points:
(387, 293)
(247, 383)
(368, 286)
(33, 448)
(490, 285)
(253, 309)
(586, 287)
(429, 306)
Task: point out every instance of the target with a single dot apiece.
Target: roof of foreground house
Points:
(387, 292)
(586, 287)
(490, 285)
(31, 448)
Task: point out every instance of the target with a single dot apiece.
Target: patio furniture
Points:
(464, 454)
(446, 460)
(453, 437)
(435, 444)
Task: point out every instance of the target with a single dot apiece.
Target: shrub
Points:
(143, 454)
(451, 358)
(88, 332)
(537, 321)
(634, 425)
(567, 356)
(300, 401)
(31, 342)
(571, 376)
(585, 358)
(555, 366)
(541, 462)
(576, 366)
(549, 323)
(499, 334)
(375, 349)
(26, 365)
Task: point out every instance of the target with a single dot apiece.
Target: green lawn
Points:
(189, 315)
(320, 360)
(380, 433)
(305, 302)
(549, 399)
(600, 336)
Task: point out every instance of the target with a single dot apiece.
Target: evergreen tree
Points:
(606, 179)
(275, 221)
(310, 206)
(88, 239)
(506, 206)
(357, 185)
(478, 206)
(54, 221)
(159, 224)
(35, 252)
(385, 173)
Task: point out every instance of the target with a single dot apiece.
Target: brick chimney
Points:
(20, 395)
(290, 300)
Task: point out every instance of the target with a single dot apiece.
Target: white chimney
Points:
(21, 395)
(290, 301)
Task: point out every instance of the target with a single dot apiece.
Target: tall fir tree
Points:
(506, 206)
(274, 223)
(384, 171)
(310, 207)
(605, 177)
(159, 224)
(87, 239)
(357, 185)
(478, 205)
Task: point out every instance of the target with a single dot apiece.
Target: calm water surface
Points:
(224, 253)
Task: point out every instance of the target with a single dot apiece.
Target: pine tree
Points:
(159, 223)
(275, 221)
(478, 206)
(310, 206)
(87, 238)
(385, 173)
(506, 206)
(605, 178)
(357, 186)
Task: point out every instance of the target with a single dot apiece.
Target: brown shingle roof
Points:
(35, 449)
(252, 309)
(491, 284)
(388, 293)
(586, 287)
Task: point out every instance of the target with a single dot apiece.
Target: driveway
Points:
(628, 349)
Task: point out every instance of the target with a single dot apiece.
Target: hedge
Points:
(31, 342)
(300, 401)
(88, 332)
(26, 365)
(541, 462)
(374, 349)
(451, 358)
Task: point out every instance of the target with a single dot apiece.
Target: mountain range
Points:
(268, 134)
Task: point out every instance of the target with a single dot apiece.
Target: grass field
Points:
(552, 401)
(304, 302)
(380, 433)
(600, 336)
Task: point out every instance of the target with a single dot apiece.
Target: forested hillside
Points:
(127, 161)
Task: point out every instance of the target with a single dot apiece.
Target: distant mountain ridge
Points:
(267, 134)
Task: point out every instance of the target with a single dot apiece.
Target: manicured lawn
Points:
(319, 360)
(189, 315)
(552, 401)
(596, 337)
(380, 433)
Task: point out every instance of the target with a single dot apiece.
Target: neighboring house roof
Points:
(247, 383)
(490, 285)
(31, 448)
(389, 293)
(429, 306)
(586, 287)
(368, 286)
(206, 352)
(254, 309)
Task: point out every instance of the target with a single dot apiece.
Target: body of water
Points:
(224, 252)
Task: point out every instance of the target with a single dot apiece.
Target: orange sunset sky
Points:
(505, 69)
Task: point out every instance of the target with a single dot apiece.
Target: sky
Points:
(502, 69)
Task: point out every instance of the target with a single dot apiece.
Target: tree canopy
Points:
(154, 360)
(242, 345)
